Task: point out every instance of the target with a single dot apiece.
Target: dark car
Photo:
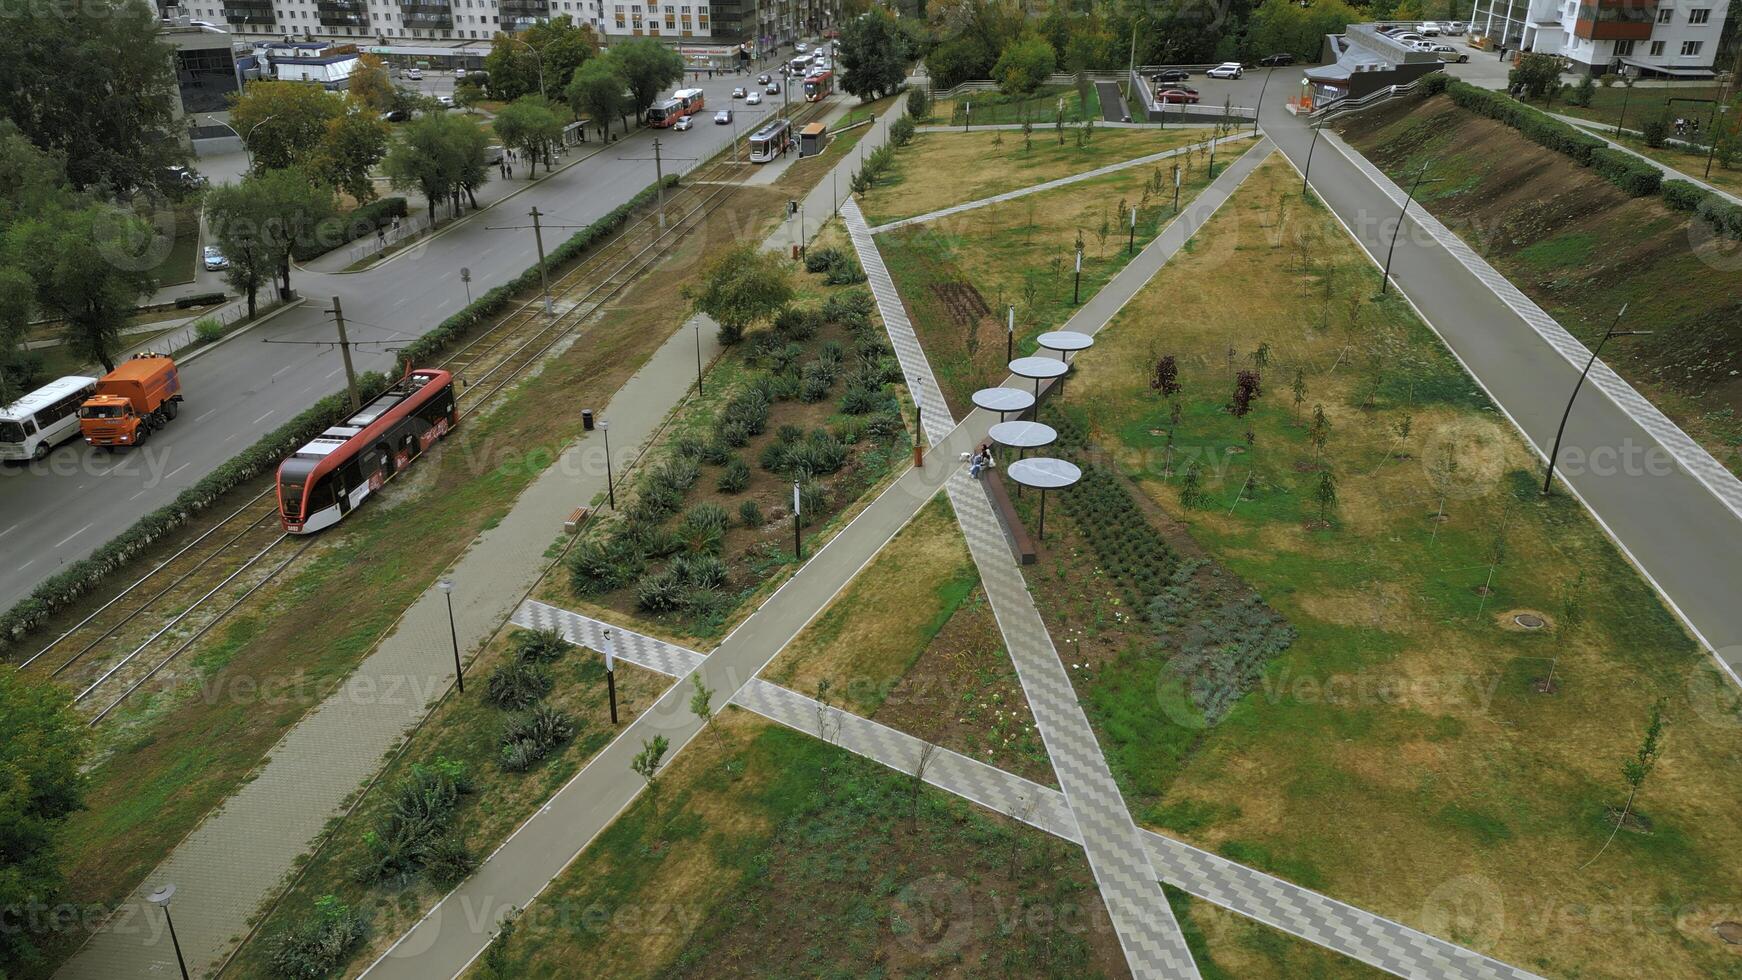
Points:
(1168, 76)
(395, 115)
(1277, 60)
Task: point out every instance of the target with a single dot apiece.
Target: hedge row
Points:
(1724, 217)
(80, 578)
(1536, 126)
(421, 350)
(1634, 176)
(347, 228)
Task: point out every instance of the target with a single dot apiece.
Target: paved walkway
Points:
(1113, 107)
(242, 852)
(1602, 131)
(1371, 939)
(1020, 192)
(1038, 127)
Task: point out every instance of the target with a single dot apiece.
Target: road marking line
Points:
(400, 302)
(281, 370)
(8, 530)
(266, 416)
(205, 415)
(173, 472)
(137, 495)
(27, 564)
(334, 371)
(71, 536)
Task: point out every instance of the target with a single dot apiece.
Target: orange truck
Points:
(141, 395)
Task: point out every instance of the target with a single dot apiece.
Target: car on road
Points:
(762, 79)
(723, 117)
(1227, 69)
(1279, 60)
(683, 123)
(1168, 76)
(773, 88)
(395, 115)
(415, 74)
(214, 260)
(1182, 96)
(738, 93)
(754, 98)
(801, 47)
(446, 101)
(459, 73)
(1448, 53)
(1428, 28)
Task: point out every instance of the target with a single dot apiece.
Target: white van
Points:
(43, 419)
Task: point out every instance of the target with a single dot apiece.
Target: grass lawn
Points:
(1579, 247)
(912, 643)
(938, 170)
(178, 263)
(1690, 163)
(1642, 101)
(1399, 740)
(958, 274)
(1042, 108)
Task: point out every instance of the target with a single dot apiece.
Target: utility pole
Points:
(659, 180)
(345, 352)
(543, 273)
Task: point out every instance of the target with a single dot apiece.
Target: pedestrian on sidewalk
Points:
(976, 463)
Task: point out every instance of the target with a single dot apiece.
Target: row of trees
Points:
(559, 60)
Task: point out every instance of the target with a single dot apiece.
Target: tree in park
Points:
(43, 745)
(238, 216)
(290, 207)
(702, 703)
(93, 84)
(1325, 495)
(369, 88)
(649, 68)
(744, 285)
(1535, 75)
(1299, 391)
(1246, 388)
(1191, 486)
(1319, 432)
(646, 765)
(599, 92)
(440, 155)
(1027, 136)
(354, 143)
(1023, 64)
(557, 46)
(874, 54)
(283, 123)
(1634, 771)
(529, 126)
(17, 304)
(1165, 377)
(89, 268)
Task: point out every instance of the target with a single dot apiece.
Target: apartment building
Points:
(1663, 38)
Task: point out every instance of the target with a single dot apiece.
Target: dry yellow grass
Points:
(938, 170)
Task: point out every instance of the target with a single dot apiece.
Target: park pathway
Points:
(1375, 940)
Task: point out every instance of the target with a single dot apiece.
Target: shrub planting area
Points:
(941, 169)
(913, 643)
(479, 766)
(812, 400)
(1581, 247)
(1041, 107)
(1366, 654)
(957, 276)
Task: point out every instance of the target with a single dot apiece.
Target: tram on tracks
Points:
(337, 470)
(819, 85)
(771, 141)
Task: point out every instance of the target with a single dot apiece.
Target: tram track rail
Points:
(201, 584)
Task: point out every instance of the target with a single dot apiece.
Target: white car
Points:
(1227, 69)
(1428, 28)
(415, 74)
(1452, 27)
(723, 117)
(754, 98)
(683, 123)
(1448, 53)
(801, 47)
(446, 101)
(459, 73)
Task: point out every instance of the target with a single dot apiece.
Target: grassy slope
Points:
(1008, 251)
(1580, 248)
(1642, 102)
(1397, 755)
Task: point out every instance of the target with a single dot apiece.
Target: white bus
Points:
(771, 141)
(43, 419)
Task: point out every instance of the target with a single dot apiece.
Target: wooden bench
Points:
(1020, 542)
(577, 517)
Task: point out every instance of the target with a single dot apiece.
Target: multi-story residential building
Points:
(1671, 38)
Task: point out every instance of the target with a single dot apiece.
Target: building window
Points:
(1666, 15)
(1691, 48)
(1657, 49)
(1699, 15)
(1623, 49)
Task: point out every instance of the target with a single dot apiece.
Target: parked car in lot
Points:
(214, 259)
(1167, 76)
(1448, 53)
(738, 93)
(754, 98)
(683, 123)
(1452, 27)
(1428, 28)
(1278, 60)
(1179, 96)
(723, 117)
(1227, 69)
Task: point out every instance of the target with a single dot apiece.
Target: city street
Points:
(57, 511)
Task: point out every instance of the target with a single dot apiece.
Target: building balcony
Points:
(251, 13)
(342, 13)
(426, 16)
(1616, 20)
(528, 11)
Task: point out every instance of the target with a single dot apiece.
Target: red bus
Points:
(819, 86)
(683, 102)
(325, 480)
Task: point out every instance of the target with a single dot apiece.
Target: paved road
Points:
(1661, 511)
(55, 512)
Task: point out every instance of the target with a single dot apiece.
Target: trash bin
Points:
(795, 252)
(587, 419)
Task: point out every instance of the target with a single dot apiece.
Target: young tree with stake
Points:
(646, 765)
(1635, 770)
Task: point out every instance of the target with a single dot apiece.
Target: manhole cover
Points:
(1730, 932)
(1528, 620)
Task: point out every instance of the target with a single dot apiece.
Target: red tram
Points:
(323, 481)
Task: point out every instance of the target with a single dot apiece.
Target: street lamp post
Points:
(610, 485)
(611, 675)
(698, 356)
(797, 542)
(539, 55)
(160, 898)
(447, 588)
(1306, 173)
(1385, 280)
(1548, 480)
(1260, 106)
(1626, 95)
(244, 137)
(1010, 336)
(1131, 246)
(1077, 280)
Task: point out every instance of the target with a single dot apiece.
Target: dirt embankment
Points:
(1581, 249)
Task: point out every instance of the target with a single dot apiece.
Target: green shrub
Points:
(539, 646)
(852, 307)
(699, 571)
(846, 272)
(422, 808)
(848, 430)
(517, 684)
(734, 434)
(819, 260)
(653, 541)
(1655, 131)
(919, 103)
(1634, 176)
(1536, 126)
(319, 945)
(597, 567)
(448, 862)
(200, 299)
(1720, 215)
(749, 514)
(884, 425)
(901, 131)
(734, 478)
(813, 499)
(716, 452)
(862, 400)
(658, 592)
(529, 736)
(1435, 83)
(207, 329)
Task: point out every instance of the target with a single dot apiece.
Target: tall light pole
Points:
(698, 356)
(1010, 335)
(1385, 280)
(1077, 280)
(1306, 173)
(447, 588)
(244, 137)
(160, 898)
(611, 675)
(610, 485)
(1548, 480)
(1260, 106)
(536, 54)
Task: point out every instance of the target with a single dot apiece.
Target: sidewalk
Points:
(1602, 131)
